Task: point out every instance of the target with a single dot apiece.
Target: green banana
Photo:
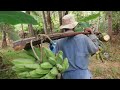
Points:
(24, 54)
(54, 71)
(52, 61)
(97, 55)
(32, 66)
(42, 71)
(22, 61)
(48, 76)
(49, 69)
(23, 75)
(46, 65)
(59, 67)
(19, 68)
(101, 56)
(37, 50)
(48, 52)
(34, 74)
(59, 57)
(65, 65)
(44, 56)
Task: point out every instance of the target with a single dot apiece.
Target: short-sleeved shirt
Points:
(77, 49)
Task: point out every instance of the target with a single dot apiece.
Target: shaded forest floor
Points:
(108, 70)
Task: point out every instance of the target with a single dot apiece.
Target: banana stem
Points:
(59, 76)
(46, 36)
(41, 51)
(34, 50)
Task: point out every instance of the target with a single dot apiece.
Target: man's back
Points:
(77, 49)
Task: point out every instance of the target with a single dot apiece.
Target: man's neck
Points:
(69, 31)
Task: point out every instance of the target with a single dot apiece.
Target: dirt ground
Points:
(110, 69)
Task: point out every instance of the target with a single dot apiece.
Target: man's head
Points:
(68, 22)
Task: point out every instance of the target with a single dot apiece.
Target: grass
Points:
(5, 68)
(8, 74)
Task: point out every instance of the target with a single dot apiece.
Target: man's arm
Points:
(92, 48)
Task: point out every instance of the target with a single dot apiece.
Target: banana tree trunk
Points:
(66, 12)
(60, 17)
(22, 30)
(31, 31)
(4, 42)
(49, 21)
(44, 22)
(110, 23)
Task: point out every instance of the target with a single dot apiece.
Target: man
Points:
(77, 49)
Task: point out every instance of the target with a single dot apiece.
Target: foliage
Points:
(0, 35)
(116, 20)
(16, 17)
(84, 22)
(5, 68)
(81, 26)
(90, 17)
(12, 34)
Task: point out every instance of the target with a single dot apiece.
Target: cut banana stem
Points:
(104, 37)
(59, 76)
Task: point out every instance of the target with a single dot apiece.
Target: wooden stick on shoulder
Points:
(25, 43)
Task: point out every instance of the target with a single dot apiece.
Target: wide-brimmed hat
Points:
(68, 21)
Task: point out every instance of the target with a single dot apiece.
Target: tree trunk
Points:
(63, 13)
(22, 30)
(110, 23)
(49, 21)
(60, 17)
(31, 31)
(4, 42)
(66, 12)
(44, 22)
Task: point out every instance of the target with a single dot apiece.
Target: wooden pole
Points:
(25, 43)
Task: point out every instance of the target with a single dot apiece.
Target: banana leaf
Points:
(16, 17)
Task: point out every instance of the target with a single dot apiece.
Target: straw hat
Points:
(68, 21)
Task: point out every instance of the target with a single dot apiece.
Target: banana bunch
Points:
(99, 54)
(51, 66)
(102, 54)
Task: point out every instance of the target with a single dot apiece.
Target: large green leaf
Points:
(16, 17)
(84, 24)
(80, 27)
(90, 17)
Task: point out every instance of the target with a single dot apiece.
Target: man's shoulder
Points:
(81, 36)
(60, 40)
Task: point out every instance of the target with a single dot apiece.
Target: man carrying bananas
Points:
(77, 49)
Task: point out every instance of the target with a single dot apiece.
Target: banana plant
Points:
(84, 22)
(13, 18)
(16, 17)
(90, 17)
